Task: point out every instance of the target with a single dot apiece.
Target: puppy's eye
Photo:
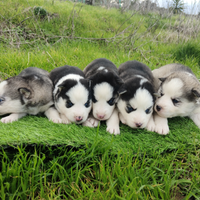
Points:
(130, 109)
(111, 101)
(161, 94)
(69, 104)
(93, 99)
(148, 110)
(2, 100)
(175, 101)
(87, 104)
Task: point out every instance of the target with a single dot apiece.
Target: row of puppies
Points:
(101, 92)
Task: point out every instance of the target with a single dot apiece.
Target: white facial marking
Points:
(173, 90)
(142, 101)
(143, 79)
(78, 96)
(69, 76)
(101, 68)
(101, 109)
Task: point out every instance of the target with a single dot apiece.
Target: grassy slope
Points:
(153, 175)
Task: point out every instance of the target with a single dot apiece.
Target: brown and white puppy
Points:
(30, 92)
(178, 95)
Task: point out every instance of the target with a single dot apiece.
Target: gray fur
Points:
(30, 92)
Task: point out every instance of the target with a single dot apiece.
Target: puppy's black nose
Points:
(138, 125)
(158, 108)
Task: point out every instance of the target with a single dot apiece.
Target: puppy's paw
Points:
(113, 129)
(151, 125)
(121, 118)
(196, 119)
(56, 120)
(91, 122)
(64, 120)
(162, 129)
(8, 119)
(12, 117)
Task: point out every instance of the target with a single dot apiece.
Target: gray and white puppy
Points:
(30, 92)
(137, 98)
(71, 94)
(105, 83)
(178, 95)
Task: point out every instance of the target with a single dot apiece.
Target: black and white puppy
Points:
(178, 95)
(105, 83)
(30, 92)
(137, 99)
(71, 94)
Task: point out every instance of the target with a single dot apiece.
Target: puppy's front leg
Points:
(161, 125)
(113, 123)
(13, 117)
(91, 121)
(151, 124)
(196, 119)
(53, 115)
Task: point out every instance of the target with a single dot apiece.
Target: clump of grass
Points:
(40, 12)
(188, 50)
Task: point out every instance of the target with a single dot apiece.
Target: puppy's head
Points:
(105, 86)
(17, 93)
(136, 102)
(72, 98)
(178, 95)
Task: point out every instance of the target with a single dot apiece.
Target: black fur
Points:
(57, 73)
(129, 72)
(99, 76)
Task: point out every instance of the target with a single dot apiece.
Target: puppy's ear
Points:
(25, 92)
(162, 79)
(122, 90)
(196, 93)
(60, 87)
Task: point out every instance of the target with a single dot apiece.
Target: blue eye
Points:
(69, 104)
(130, 109)
(175, 101)
(87, 104)
(111, 101)
(148, 110)
(1, 100)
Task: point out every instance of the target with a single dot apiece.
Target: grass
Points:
(43, 160)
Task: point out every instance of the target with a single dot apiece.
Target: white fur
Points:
(91, 122)
(113, 123)
(101, 109)
(102, 68)
(53, 115)
(78, 96)
(173, 90)
(12, 117)
(69, 76)
(141, 101)
(161, 125)
(143, 79)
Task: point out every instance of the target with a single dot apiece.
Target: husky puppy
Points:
(178, 95)
(71, 94)
(137, 99)
(30, 92)
(105, 83)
